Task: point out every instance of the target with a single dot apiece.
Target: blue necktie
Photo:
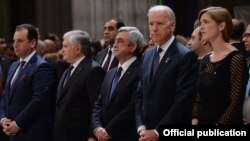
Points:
(67, 74)
(156, 60)
(115, 81)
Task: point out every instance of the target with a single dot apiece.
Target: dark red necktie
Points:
(106, 65)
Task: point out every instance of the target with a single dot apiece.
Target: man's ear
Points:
(33, 43)
(172, 25)
(133, 47)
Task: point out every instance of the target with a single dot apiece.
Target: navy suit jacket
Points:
(75, 101)
(101, 56)
(28, 101)
(5, 62)
(117, 115)
(168, 97)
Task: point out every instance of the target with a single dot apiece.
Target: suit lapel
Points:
(124, 79)
(165, 61)
(110, 76)
(11, 72)
(60, 85)
(149, 58)
(73, 76)
(23, 73)
(105, 51)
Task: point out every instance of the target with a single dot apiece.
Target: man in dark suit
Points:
(166, 90)
(4, 66)
(77, 90)
(5, 62)
(114, 112)
(105, 57)
(25, 112)
(236, 36)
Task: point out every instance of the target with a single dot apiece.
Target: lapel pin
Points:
(167, 59)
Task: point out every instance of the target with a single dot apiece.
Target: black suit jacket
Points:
(117, 115)
(5, 64)
(75, 101)
(168, 97)
(101, 56)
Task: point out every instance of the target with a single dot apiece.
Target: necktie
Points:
(67, 76)
(115, 81)
(156, 60)
(18, 71)
(106, 65)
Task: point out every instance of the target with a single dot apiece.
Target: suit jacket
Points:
(4, 63)
(241, 47)
(27, 103)
(101, 56)
(117, 116)
(75, 101)
(168, 97)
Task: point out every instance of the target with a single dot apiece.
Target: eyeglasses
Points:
(246, 35)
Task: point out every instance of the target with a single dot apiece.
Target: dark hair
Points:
(32, 32)
(238, 29)
(52, 36)
(119, 23)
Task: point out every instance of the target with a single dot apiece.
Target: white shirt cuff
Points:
(142, 127)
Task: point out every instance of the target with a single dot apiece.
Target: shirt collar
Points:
(78, 62)
(126, 64)
(27, 59)
(166, 45)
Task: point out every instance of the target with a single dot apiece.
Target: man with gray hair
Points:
(114, 112)
(77, 90)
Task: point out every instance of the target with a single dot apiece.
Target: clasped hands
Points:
(102, 134)
(10, 127)
(148, 135)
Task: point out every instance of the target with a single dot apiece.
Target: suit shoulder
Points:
(182, 47)
(94, 63)
(100, 53)
(91, 65)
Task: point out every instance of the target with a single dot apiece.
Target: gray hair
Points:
(82, 38)
(168, 10)
(135, 36)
